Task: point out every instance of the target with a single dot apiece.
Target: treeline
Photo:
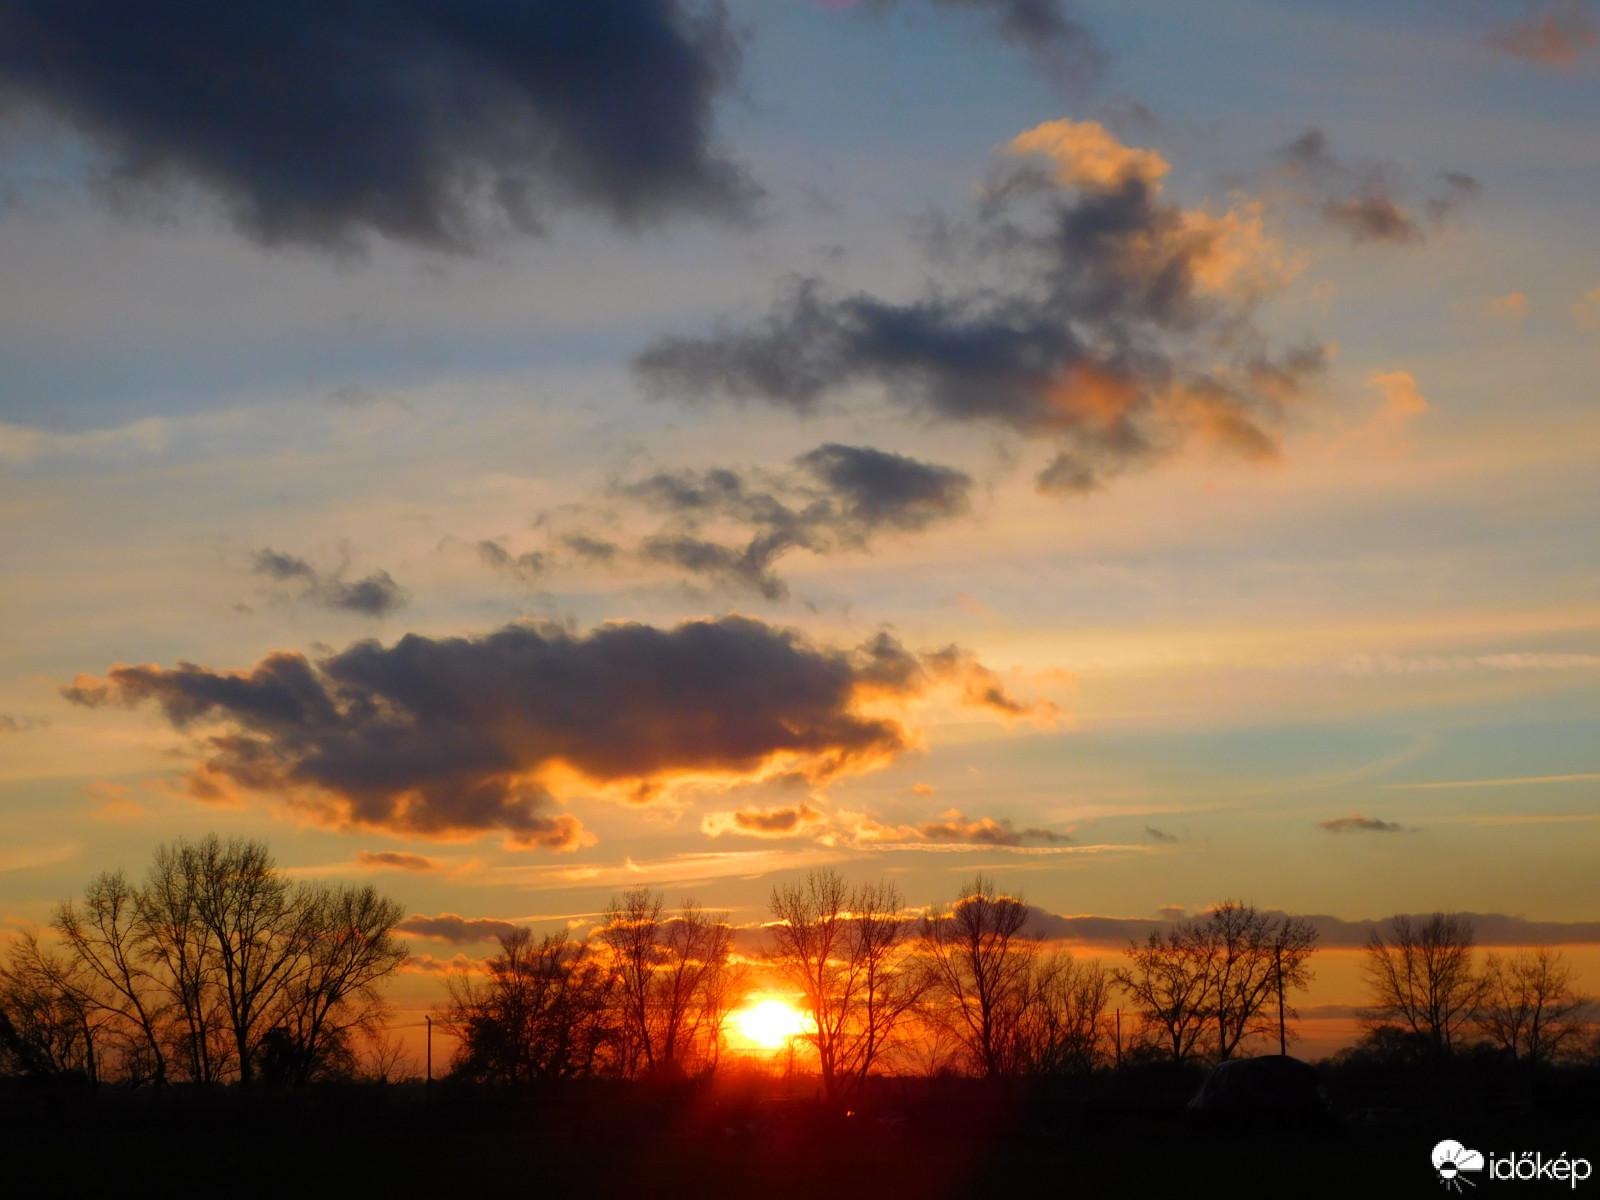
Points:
(215, 968)
(965, 988)
(1431, 999)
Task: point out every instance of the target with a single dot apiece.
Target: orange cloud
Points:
(1512, 308)
(1556, 37)
(789, 821)
(955, 826)
(390, 860)
(1085, 154)
(114, 800)
(1587, 310)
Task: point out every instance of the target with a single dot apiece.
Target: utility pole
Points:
(1119, 1039)
(1283, 1036)
(429, 1088)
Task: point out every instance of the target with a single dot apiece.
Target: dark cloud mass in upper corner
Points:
(1081, 316)
(838, 497)
(374, 595)
(321, 121)
(455, 737)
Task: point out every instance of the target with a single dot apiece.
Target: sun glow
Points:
(769, 1024)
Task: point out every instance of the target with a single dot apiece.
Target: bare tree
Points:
(180, 949)
(347, 948)
(843, 950)
(1421, 978)
(1223, 970)
(978, 961)
(258, 929)
(543, 1012)
(215, 960)
(673, 980)
(1168, 983)
(1531, 1006)
(108, 939)
(1062, 1030)
(1294, 940)
(1251, 957)
(46, 1026)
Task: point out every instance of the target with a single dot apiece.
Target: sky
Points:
(512, 453)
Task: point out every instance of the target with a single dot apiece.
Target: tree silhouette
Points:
(1167, 982)
(1531, 1006)
(1062, 1030)
(673, 985)
(979, 962)
(842, 949)
(545, 1011)
(1421, 978)
(1221, 970)
(217, 959)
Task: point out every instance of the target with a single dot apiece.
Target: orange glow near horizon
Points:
(769, 1024)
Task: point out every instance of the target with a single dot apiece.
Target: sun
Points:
(769, 1024)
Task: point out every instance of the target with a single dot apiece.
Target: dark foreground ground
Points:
(600, 1141)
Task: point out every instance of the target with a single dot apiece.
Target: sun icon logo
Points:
(1451, 1159)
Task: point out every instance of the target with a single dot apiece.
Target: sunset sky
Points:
(1143, 452)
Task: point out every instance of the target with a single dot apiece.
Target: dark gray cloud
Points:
(458, 931)
(1491, 929)
(1053, 36)
(1556, 34)
(526, 567)
(836, 498)
(322, 121)
(955, 826)
(1358, 824)
(591, 549)
(16, 723)
(456, 737)
(392, 860)
(1364, 201)
(1159, 835)
(374, 595)
(1084, 309)
(874, 489)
